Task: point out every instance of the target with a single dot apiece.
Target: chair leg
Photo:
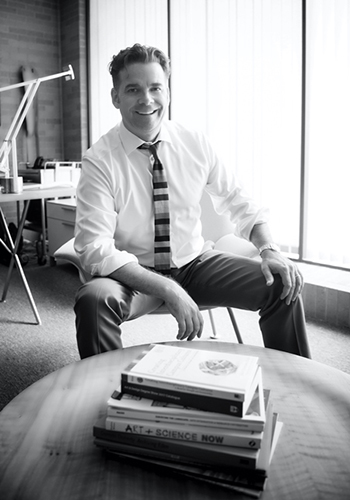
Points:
(235, 325)
(214, 335)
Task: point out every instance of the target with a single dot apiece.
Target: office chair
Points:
(217, 231)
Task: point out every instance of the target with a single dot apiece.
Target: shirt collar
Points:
(131, 142)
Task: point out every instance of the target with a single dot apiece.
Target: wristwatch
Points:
(269, 246)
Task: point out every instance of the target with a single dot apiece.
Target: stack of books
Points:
(200, 413)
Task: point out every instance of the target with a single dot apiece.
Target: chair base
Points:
(215, 336)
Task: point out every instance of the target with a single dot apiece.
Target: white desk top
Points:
(38, 194)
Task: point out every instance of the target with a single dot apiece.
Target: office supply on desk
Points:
(31, 185)
(52, 172)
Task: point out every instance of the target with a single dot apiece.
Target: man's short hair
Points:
(137, 54)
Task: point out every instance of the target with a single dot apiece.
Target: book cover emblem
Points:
(220, 367)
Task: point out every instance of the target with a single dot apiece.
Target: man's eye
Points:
(156, 89)
(131, 91)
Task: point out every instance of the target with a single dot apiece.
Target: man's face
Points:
(142, 98)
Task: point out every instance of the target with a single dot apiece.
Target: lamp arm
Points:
(10, 139)
(69, 74)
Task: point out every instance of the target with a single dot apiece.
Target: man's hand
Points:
(180, 304)
(186, 312)
(275, 263)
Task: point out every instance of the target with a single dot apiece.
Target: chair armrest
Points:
(232, 244)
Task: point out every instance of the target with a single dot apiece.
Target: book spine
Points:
(241, 425)
(231, 487)
(234, 457)
(228, 407)
(193, 389)
(147, 453)
(245, 482)
(249, 478)
(251, 440)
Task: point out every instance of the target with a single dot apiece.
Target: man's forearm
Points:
(261, 235)
(144, 281)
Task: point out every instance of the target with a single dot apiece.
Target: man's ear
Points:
(115, 98)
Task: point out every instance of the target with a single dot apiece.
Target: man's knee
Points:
(101, 305)
(101, 297)
(276, 288)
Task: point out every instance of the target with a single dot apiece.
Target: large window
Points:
(327, 158)
(237, 74)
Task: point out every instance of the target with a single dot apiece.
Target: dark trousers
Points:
(214, 278)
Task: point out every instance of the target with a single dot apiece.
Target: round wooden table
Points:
(47, 450)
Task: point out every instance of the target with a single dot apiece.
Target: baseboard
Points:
(326, 295)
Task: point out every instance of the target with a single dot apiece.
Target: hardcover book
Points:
(209, 380)
(135, 407)
(184, 432)
(208, 454)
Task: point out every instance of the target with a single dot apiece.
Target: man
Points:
(115, 228)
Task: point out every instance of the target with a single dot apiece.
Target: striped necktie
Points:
(162, 251)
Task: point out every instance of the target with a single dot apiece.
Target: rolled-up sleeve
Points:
(96, 221)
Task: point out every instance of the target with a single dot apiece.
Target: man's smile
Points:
(146, 113)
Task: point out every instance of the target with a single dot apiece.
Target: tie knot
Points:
(151, 146)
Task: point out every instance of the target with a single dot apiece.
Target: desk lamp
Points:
(9, 143)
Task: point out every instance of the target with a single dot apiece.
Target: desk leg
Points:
(42, 257)
(15, 259)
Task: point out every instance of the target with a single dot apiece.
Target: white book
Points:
(192, 371)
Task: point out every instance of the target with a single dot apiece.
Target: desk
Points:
(26, 196)
(47, 449)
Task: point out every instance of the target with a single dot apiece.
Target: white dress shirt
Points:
(114, 223)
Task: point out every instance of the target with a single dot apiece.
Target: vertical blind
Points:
(237, 75)
(327, 162)
(115, 25)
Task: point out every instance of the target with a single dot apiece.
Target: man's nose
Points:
(146, 97)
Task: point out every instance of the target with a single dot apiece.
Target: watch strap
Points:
(269, 246)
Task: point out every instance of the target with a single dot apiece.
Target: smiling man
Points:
(138, 229)
(141, 93)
